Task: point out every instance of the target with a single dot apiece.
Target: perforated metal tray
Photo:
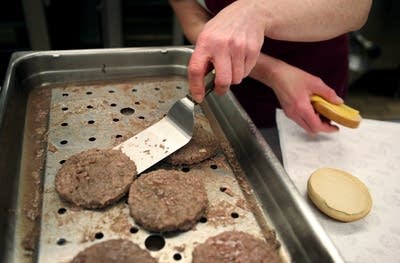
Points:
(55, 104)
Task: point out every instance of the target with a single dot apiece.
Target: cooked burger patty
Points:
(116, 250)
(95, 178)
(167, 200)
(235, 246)
(202, 146)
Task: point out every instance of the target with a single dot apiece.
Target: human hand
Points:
(294, 87)
(230, 43)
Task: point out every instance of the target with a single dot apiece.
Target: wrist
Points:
(262, 11)
(259, 10)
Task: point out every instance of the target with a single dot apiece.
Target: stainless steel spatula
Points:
(161, 139)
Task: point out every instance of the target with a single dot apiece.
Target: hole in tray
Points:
(203, 219)
(213, 166)
(141, 117)
(91, 122)
(178, 87)
(234, 215)
(177, 256)
(113, 104)
(156, 88)
(111, 91)
(62, 161)
(64, 124)
(137, 102)
(134, 90)
(161, 101)
(154, 242)
(118, 136)
(134, 230)
(127, 111)
(92, 139)
(62, 211)
(115, 120)
(89, 93)
(185, 169)
(65, 94)
(61, 241)
(222, 189)
(64, 108)
(99, 235)
(89, 106)
(64, 142)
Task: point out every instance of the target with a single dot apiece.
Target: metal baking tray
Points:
(56, 103)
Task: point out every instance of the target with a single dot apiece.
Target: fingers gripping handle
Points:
(209, 85)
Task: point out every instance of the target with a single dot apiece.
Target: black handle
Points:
(209, 85)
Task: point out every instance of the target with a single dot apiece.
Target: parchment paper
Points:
(372, 153)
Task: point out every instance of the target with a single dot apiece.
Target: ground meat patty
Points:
(116, 250)
(95, 178)
(235, 246)
(167, 200)
(202, 146)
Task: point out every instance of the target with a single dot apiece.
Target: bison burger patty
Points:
(116, 250)
(235, 246)
(167, 200)
(95, 178)
(202, 146)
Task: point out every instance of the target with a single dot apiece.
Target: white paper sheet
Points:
(372, 153)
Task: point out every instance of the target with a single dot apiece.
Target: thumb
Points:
(330, 95)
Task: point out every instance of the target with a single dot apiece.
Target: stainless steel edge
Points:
(287, 211)
(79, 65)
(290, 215)
(29, 70)
(11, 129)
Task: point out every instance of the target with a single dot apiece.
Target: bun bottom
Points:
(339, 194)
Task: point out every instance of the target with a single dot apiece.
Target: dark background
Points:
(78, 24)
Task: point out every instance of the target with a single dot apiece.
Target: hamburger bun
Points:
(341, 114)
(339, 194)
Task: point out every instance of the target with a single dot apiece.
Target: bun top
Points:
(341, 113)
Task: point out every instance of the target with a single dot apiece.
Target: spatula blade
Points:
(162, 138)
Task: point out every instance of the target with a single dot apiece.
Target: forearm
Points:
(191, 16)
(266, 69)
(311, 20)
(293, 88)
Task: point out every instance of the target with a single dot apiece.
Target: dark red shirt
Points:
(326, 59)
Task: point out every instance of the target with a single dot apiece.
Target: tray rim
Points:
(24, 56)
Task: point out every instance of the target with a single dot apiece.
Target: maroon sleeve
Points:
(327, 60)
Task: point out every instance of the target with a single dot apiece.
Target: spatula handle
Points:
(209, 80)
(209, 85)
